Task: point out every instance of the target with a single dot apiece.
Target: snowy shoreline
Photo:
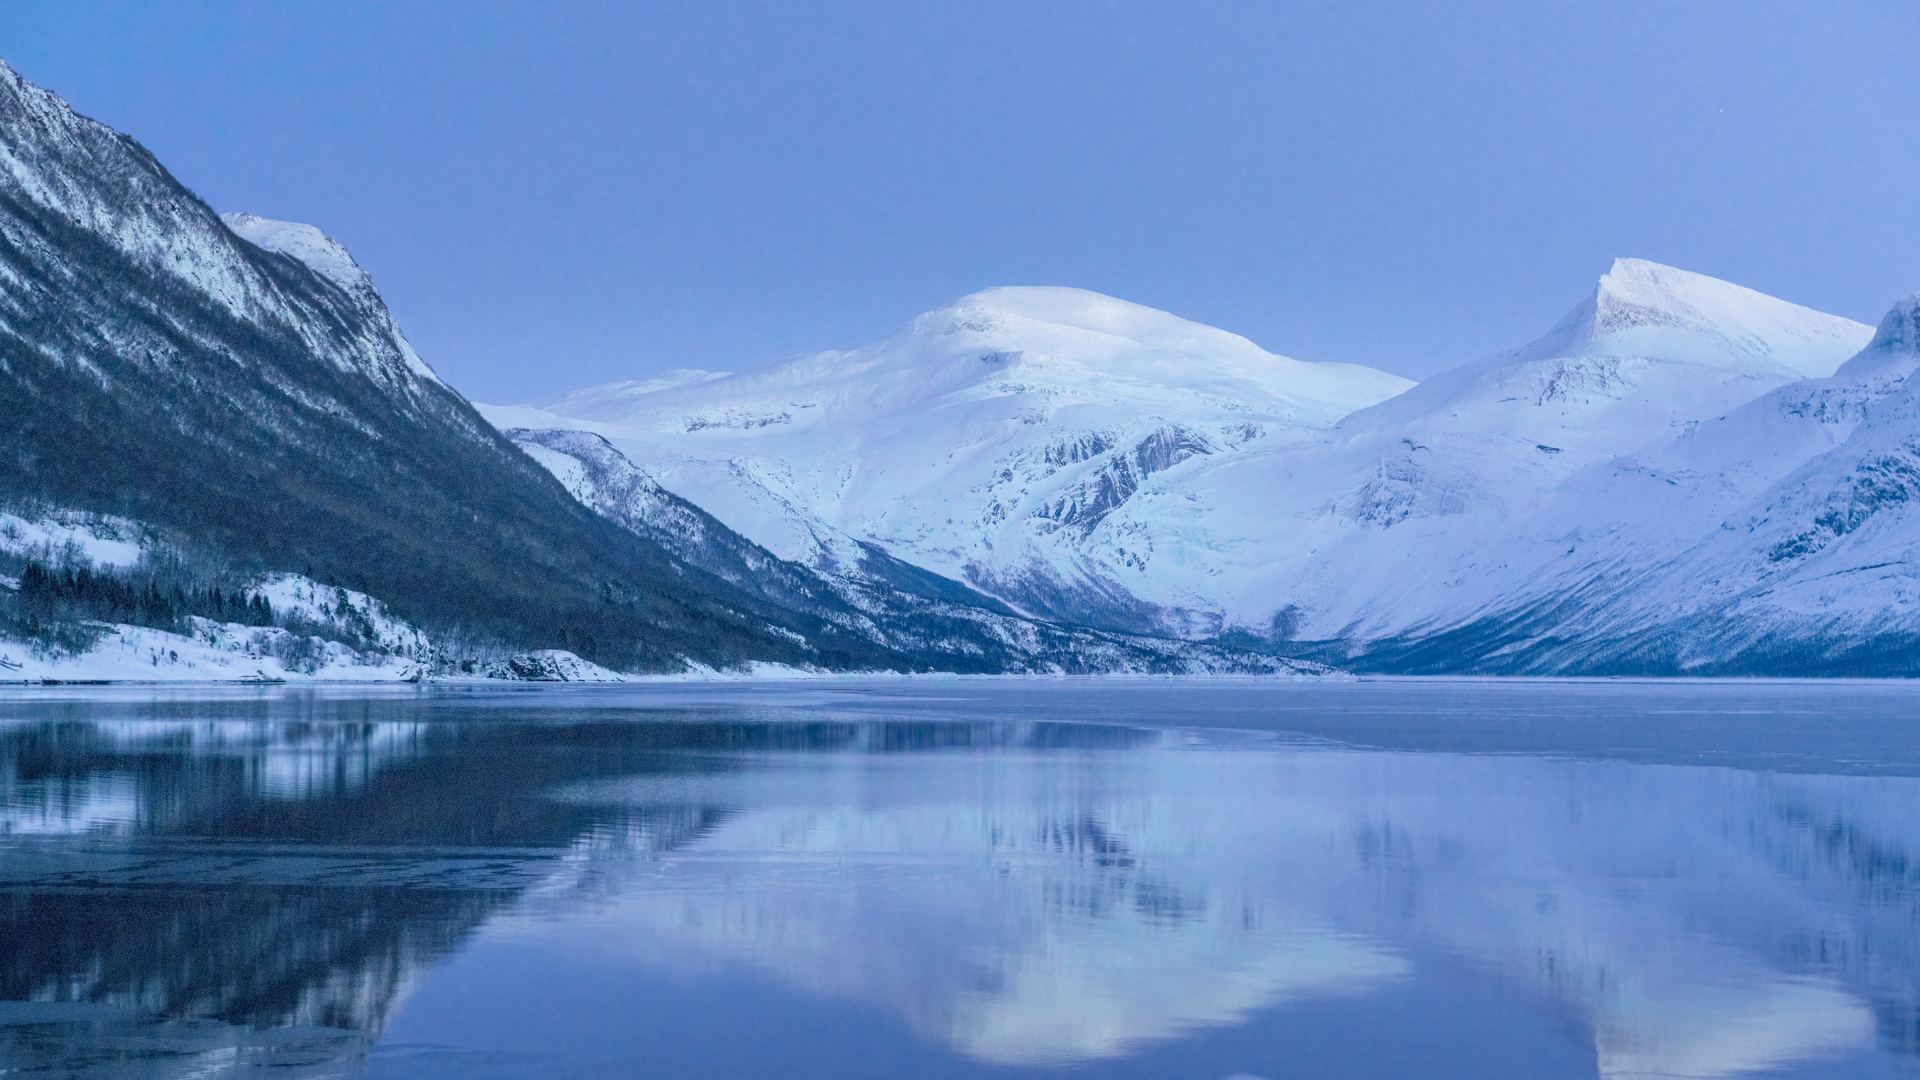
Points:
(728, 677)
(794, 676)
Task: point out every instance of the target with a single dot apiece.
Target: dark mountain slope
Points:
(155, 365)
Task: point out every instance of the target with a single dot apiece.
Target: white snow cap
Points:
(321, 253)
(1642, 308)
(1010, 313)
(1082, 309)
(1115, 337)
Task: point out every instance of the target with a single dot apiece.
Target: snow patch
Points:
(71, 537)
(347, 611)
(330, 259)
(215, 652)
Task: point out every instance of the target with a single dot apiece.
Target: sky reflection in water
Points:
(961, 878)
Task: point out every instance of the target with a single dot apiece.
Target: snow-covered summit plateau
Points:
(1675, 452)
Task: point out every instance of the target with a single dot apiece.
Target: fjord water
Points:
(959, 878)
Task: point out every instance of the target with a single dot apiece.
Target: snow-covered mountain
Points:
(1779, 535)
(1681, 474)
(236, 388)
(988, 442)
(240, 386)
(1443, 504)
(232, 393)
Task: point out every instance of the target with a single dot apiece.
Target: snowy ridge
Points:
(321, 253)
(327, 257)
(1771, 538)
(1808, 549)
(1641, 308)
(75, 168)
(1441, 504)
(1895, 344)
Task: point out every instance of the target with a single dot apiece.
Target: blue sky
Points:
(552, 196)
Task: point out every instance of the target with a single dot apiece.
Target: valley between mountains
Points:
(224, 461)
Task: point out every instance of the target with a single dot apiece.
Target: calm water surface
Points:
(963, 878)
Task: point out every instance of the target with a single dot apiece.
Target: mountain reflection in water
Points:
(969, 877)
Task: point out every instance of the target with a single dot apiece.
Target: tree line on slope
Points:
(81, 594)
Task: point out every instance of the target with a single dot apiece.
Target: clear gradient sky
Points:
(552, 196)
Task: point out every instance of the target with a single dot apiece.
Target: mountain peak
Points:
(1061, 304)
(1642, 308)
(1647, 279)
(1900, 330)
(319, 252)
(330, 259)
(39, 97)
(1895, 347)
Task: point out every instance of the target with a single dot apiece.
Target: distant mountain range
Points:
(1681, 476)
(228, 462)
